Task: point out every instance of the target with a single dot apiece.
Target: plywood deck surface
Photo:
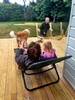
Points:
(11, 83)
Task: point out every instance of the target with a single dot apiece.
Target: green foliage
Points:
(68, 3)
(6, 1)
(11, 12)
(58, 10)
(42, 9)
(53, 8)
(30, 14)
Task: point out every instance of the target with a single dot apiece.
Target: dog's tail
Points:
(12, 34)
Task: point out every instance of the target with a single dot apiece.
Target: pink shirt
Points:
(48, 54)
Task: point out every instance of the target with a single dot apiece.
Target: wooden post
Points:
(37, 29)
(62, 32)
(51, 30)
(66, 32)
(51, 25)
(60, 26)
(61, 29)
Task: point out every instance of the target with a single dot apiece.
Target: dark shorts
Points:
(42, 34)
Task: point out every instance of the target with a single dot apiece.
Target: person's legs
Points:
(42, 34)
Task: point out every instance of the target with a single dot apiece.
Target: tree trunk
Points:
(24, 1)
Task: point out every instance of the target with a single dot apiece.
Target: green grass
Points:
(56, 28)
(6, 27)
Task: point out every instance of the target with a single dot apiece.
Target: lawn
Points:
(6, 27)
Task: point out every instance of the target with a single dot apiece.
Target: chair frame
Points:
(48, 62)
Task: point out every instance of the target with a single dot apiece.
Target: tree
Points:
(30, 13)
(43, 9)
(68, 3)
(24, 1)
(6, 1)
(59, 10)
(11, 12)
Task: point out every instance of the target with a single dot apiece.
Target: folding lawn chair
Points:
(40, 65)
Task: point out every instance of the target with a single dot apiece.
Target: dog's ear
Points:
(27, 28)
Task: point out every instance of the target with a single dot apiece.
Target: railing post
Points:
(61, 29)
(51, 30)
(37, 29)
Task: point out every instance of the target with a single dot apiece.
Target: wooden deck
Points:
(11, 83)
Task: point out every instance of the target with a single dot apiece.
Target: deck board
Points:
(11, 82)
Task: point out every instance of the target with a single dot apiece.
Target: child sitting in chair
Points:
(48, 52)
(33, 54)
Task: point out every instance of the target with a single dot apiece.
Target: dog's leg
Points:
(26, 44)
(18, 43)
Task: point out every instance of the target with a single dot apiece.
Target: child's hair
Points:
(31, 44)
(34, 52)
(48, 45)
(38, 48)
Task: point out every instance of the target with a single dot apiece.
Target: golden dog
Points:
(21, 35)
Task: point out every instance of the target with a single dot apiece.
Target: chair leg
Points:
(56, 71)
(38, 87)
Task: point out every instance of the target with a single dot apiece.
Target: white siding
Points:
(69, 65)
(72, 32)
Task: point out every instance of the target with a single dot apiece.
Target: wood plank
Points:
(14, 96)
(70, 91)
(19, 81)
(3, 64)
(35, 95)
(11, 82)
(61, 89)
(42, 90)
(1, 98)
(38, 95)
(47, 89)
(29, 95)
(52, 88)
(10, 79)
(13, 71)
(57, 87)
(25, 96)
(34, 84)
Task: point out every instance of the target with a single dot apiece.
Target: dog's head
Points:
(27, 30)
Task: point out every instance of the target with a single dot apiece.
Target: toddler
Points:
(48, 50)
